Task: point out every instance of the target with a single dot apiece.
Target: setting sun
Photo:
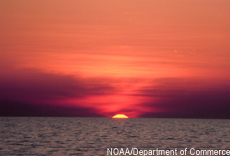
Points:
(120, 116)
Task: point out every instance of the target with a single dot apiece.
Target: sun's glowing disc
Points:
(120, 116)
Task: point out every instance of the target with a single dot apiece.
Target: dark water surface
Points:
(92, 136)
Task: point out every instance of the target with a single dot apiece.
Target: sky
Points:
(99, 58)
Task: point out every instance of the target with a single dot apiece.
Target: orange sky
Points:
(115, 51)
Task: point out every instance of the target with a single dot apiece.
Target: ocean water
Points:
(57, 136)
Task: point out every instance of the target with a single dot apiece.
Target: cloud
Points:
(176, 99)
(35, 93)
(17, 108)
(204, 104)
(37, 85)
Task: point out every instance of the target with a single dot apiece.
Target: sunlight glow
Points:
(120, 116)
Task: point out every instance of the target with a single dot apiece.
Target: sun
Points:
(120, 116)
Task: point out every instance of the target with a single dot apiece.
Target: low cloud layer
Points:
(36, 93)
(34, 84)
(12, 108)
(180, 98)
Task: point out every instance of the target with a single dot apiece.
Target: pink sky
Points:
(142, 58)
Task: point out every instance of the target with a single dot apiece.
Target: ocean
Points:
(66, 136)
